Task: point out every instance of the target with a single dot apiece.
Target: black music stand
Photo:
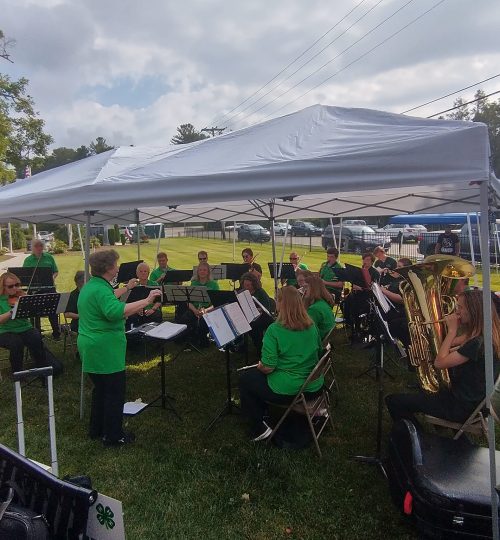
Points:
(382, 335)
(37, 305)
(34, 278)
(217, 271)
(127, 271)
(172, 277)
(219, 298)
(235, 270)
(287, 270)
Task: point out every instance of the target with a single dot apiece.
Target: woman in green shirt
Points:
(290, 350)
(319, 303)
(192, 315)
(102, 345)
(152, 312)
(17, 333)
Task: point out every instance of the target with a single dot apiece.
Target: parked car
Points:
(305, 228)
(253, 233)
(280, 228)
(410, 233)
(355, 238)
(46, 236)
(232, 228)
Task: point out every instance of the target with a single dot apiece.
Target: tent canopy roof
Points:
(317, 162)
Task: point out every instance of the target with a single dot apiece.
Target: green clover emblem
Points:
(105, 516)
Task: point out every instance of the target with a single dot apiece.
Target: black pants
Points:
(16, 342)
(259, 327)
(443, 405)
(254, 395)
(108, 397)
(197, 327)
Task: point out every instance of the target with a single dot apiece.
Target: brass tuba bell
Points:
(427, 292)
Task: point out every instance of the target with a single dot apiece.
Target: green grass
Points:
(179, 481)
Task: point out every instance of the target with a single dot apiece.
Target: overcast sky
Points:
(133, 71)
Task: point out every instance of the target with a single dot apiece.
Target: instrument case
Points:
(442, 485)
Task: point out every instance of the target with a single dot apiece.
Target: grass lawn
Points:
(179, 481)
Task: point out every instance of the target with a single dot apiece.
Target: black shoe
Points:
(126, 439)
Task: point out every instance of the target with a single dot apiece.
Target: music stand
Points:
(235, 270)
(141, 292)
(127, 271)
(217, 271)
(287, 270)
(219, 298)
(37, 305)
(34, 278)
(171, 277)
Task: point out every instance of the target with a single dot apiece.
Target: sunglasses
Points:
(12, 286)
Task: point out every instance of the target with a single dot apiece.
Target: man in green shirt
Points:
(41, 259)
(157, 275)
(328, 275)
(297, 265)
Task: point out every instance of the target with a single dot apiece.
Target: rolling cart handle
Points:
(36, 372)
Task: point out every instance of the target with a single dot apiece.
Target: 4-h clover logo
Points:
(105, 516)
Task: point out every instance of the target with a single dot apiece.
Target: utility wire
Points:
(307, 61)
(292, 62)
(451, 93)
(335, 58)
(354, 61)
(463, 104)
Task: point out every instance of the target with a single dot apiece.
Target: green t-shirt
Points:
(212, 285)
(293, 354)
(101, 330)
(327, 273)
(46, 261)
(322, 315)
(15, 326)
(157, 273)
(293, 282)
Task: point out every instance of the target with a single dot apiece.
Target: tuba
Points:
(427, 291)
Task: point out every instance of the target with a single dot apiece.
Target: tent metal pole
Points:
(138, 234)
(340, 236)
(1, 241)
(34, 232)
(158, 243)
(234, 241)
(283, 246)
(70, 236)
(488, 349)
(273, 240)
(333, 234)
(82, 247)
(471, 244)
(88, 214)
(9, 227)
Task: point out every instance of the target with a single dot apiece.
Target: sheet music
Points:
(248, 305)
(237, 318)
(166, 330)
(219, 327)
(381, 299)
(131, 408)
(265, 310)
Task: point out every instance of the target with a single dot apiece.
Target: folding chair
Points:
(327, 346)
(476, 424)
(68, 336)
(315, 409)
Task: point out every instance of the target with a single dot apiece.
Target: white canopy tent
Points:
(318, 162)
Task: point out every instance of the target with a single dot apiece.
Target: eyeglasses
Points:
(12, 286)
(202, 258)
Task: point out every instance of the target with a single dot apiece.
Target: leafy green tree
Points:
(98, 146)
(62, 156)
(22, 137)
(186, 133)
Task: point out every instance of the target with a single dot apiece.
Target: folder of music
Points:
(227, 323)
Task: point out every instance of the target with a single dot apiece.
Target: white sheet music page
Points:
(248, 305)
(219, 327)
(166, 330)
(264, 309)
(237, 318)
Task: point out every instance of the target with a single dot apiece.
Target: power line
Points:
(292, 62)
(463, 104)
(451, 93)
(309, 60)
(354, 61)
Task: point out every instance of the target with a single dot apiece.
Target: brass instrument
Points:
(427, 296)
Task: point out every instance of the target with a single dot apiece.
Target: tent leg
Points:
(471, 244)
(138, 235)
(88, 214)
(283, 246)
(488, 350)
(273, 240)
(333, 234)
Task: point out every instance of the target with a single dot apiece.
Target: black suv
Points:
(253, 233)
(305, 228)
(356, 238)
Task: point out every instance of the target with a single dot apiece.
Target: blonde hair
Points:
(292, 313)
(203, 263)
(316, 290)
(3, 277)
(474, 305)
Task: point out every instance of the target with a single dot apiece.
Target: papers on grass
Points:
(166, 330)
(227, 323)
(132, 408)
